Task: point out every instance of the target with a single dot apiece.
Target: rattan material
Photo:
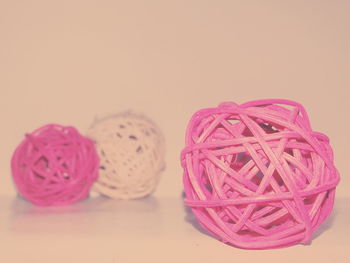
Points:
(256, 175)
(54, 165)
(131, 149)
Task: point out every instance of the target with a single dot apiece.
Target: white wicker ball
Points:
(132, 150)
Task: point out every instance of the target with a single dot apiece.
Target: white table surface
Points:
(146, 230)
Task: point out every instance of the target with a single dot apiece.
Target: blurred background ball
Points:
(256, 175)
(132, 150)
(54, 165)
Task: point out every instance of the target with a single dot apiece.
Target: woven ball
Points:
(256, 175)
(54, 165)
(131, 150)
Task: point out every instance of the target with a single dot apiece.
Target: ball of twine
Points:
(131, 150)
(256, 175)
(54, 165)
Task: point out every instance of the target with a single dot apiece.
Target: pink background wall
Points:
(68, 61)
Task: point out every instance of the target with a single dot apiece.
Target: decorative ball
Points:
(54, 165)
(256, 175)
(131, 150)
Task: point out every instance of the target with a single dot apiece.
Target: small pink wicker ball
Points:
(54, 165)
(256, 175)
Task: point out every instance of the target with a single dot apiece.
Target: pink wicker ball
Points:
(54, 165)
(256, 175)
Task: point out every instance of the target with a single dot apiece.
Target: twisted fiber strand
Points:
(276, 197)
(54, 165)
(131, 149)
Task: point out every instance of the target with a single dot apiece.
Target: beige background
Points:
(69, 61)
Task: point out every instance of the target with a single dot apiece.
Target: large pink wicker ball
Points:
(54, 165)
(256, 175)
